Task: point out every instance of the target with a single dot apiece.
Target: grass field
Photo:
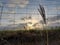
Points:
(30, 37)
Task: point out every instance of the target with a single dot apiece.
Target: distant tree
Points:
(25, 27)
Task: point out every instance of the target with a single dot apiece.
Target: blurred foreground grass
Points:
(30, 37)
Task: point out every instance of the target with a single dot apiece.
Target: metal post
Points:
(1, 13)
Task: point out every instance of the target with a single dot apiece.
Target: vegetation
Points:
(30, 37)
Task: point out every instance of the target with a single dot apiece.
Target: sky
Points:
(17, 9)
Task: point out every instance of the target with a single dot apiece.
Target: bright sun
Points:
(31, 23)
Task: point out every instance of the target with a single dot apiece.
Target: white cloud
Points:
(10, 5)
(20, 3)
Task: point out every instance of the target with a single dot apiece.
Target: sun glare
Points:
(33, 24)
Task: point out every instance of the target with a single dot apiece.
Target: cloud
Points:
(20, 3)
(53, 21)
(10, 5)
(1, 4)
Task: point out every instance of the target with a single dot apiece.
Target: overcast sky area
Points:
(17, 9)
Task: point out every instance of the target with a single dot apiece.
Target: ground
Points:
(30, 37)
